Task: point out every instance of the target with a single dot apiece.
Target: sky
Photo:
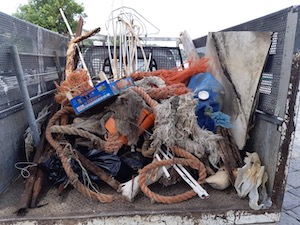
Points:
(172, 17)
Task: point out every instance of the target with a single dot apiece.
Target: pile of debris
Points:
(163, 126)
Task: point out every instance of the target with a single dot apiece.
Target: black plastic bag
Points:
(56, 174)
(55, 171)
(111, 163)
(131, 162)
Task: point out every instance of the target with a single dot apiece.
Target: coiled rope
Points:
(65, 158)
(187, 160)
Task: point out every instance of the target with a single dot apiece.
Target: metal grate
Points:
(97, 58)
(36, 48)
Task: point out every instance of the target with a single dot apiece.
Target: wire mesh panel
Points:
(97, 59)
(36, 48)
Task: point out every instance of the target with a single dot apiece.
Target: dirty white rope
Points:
(24, 168)
(176, 125)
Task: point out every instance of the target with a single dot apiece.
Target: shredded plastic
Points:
(249, 179)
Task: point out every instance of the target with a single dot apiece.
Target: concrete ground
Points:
(291, 201)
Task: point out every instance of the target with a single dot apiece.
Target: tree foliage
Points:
(45, 13)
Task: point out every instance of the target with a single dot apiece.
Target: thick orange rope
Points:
(65, 160)
(188, 160)
(151, 102)
(168, 91)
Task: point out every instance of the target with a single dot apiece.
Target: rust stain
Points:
(278, 190)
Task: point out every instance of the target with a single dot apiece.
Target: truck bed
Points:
(72, 205)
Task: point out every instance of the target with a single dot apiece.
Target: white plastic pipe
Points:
(186, 176)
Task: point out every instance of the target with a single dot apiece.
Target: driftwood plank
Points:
(230, 153)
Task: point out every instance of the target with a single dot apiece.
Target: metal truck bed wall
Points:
(38, 51)
(272, 138)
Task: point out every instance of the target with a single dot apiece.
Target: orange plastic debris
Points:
(146, 120)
